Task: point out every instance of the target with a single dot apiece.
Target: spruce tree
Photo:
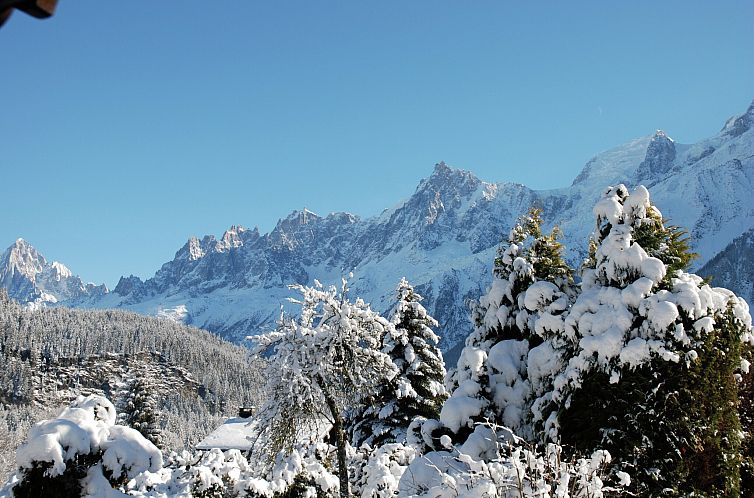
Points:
(652, 355)
(491, 382)
(417, 390)
(140, 409)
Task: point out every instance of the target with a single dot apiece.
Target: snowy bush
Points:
(378, 471)
(228, 474)
(493, 463)
(81, 453)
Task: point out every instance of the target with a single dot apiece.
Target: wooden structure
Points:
(41, 9)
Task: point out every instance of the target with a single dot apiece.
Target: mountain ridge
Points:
(443, 237)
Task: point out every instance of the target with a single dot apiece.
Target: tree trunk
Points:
(341, 445)
(340, 442)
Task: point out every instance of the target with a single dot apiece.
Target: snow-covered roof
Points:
(234, 434)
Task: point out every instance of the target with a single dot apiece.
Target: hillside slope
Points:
(52, 355)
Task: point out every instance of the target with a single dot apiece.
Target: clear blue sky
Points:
(126, 127)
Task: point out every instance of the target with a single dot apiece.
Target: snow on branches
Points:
(598, 364)
(321, 365)
(417, 390)
(82, 452)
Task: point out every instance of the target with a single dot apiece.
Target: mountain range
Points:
(443, 239)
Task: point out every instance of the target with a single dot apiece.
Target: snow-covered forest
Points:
(183, 380)
(627, 376)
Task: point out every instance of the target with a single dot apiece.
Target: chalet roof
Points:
(234, 434)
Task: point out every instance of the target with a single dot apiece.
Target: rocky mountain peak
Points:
(127, 285)
(22, 258)
(233, 237)
(59, 271)
(738, 125)
(297, 218)
(659, 157)
(194, 248)
(445, 189)
(28, 277)
(447, 180)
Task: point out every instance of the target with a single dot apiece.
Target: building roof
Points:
(235, 434)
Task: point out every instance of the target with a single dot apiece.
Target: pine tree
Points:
(140, 409)
(651, 355)
(491, 382)
(417, 390)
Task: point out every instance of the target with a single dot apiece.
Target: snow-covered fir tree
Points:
(321, 366)
(650, 357)
(417, 390)
(140, 408)
(491, 382)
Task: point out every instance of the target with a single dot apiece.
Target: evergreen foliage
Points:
(672, 417)
(746, 418)
(491, 373)
(417, 390)
(38, 483)
(141, 409)
(642, 359)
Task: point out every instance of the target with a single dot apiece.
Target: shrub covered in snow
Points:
(81, 453)
(378, 471)
(217, 474)
(495, 463)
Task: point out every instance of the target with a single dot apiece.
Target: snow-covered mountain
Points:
(29, 278)
(733, 267)
(443, 238)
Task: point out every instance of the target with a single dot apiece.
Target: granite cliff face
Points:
(443, 238)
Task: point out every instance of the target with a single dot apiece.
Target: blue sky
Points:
(127, 127)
